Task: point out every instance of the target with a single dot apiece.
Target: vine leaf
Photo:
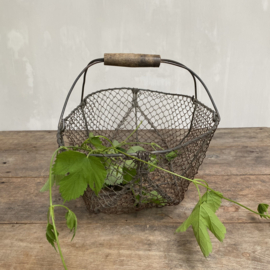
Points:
(135, 149)
(114, 175)
(152, 197)
(153, 160)
(129, 174)
(55, 179)
(262, 209)
(203, 217)
(95, 141)
(172, 155)
(115, 143)
(71, 222)
(50, 235)
(213, 199)
(79, 171)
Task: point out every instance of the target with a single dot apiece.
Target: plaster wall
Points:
(45, 44)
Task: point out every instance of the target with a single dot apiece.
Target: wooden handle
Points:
(131, 60)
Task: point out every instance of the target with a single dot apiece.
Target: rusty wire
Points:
(173, 121)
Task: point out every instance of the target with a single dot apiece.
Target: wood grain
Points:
(134, 247)
(131, 60)
(22, 154)
(22, 202)
(237, 164)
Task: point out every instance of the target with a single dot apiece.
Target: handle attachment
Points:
(131, 60)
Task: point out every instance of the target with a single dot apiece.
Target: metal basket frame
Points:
(61, 123)
(95, 204)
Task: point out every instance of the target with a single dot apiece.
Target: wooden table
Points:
(237, 164)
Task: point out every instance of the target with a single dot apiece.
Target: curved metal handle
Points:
(174, 63)
(165, 61)
(131, 60)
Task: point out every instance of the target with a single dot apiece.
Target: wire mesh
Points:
(169, 120)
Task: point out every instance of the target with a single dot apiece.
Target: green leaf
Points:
(157, 198)
(95, 141)
(262, 209)
(203, 217)
(47, 185)
(129, 174)
(115, 175)
(71, 222)
(172, 155)
(130, 164)
(50, 235)
(55, 179)
(153, 197)
(115, 143)
(135, 149)
(80, 171)
(153, 160)
(121, 149)
(213, 200)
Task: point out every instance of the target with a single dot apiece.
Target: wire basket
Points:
(180, 124)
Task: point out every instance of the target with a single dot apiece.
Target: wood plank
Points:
(219, 161)
(21, 202)
(143, 240)
(30, 141)
(133, 247)
(231, 152)
(236, 160)
(33, 140)
(256, 136)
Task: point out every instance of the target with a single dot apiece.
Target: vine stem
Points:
(198, 192)
(195, 181)
(131, 134)
(59, 205)
(52, 209)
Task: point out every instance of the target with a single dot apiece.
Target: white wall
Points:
(45, 44)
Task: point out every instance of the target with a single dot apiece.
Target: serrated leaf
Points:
(171, 155)
(202, 218)
(135, 149)
(262, 209)
(71, 222)
(50, 235)
(55, 179)
(213, 200)
(95, 141)
(80, 171)
(115, 176)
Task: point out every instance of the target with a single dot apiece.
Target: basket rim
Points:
(216, 120)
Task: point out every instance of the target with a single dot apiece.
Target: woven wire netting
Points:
(169, 120)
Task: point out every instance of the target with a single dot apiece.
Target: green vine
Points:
(74, 171)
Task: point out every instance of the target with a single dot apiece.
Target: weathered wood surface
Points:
(30, 206)
(139, 246)
(231, 152)
(131, 60)
(237, 164)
